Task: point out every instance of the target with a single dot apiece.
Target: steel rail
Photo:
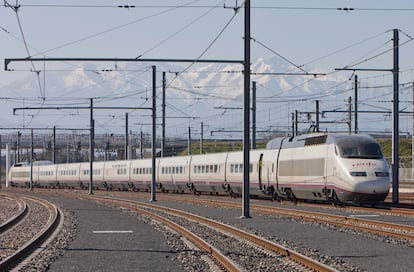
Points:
(266, 244)
(373, 226)
(14, 220)
(37, 240)
(217, 256)
(389, 229)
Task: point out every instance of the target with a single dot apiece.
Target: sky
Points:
(314, 35)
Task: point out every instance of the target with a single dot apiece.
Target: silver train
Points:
(321, 167)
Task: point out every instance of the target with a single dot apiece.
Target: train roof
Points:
(19, 164)
(315, 139)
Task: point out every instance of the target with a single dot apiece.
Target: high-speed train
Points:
(322, 167)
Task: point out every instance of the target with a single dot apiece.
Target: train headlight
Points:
(359, 174)
(382, 174)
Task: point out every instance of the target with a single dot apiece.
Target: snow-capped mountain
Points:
(208, 93)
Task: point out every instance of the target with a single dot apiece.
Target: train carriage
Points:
(140, 175)
(68, 175)
(45, 175)
(321, 166)
(303, 167)
(263, 171)
(116, 174)
(97, 177)
(208, 173)
(19, 175)
(173, 173)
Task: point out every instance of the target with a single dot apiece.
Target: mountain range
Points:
(208, 93)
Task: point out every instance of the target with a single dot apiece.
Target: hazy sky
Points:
(301, 31)
(311, 33)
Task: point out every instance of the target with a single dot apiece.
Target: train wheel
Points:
(291, 196)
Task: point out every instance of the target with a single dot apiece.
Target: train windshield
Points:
(359, 149)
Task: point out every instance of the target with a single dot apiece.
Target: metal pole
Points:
(189, 141)
(8, 158)
(31, 159)
(349, 115)
(54, 145)
(356, 104)
(293, 124)
(317, 115)
(412, 141)
(126, 137)
(164, 84)
(395, 134)
(18, 146)
(0, 160)
(141, 149)
(254, 115)
(201, 138)
(246, 123)
(154, 136)
(91, 147)
(296, 123)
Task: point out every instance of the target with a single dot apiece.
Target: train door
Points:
(260, 170)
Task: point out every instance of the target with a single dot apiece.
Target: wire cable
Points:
(280, 56)
(177, 32)
(207, 48)
(16, 9)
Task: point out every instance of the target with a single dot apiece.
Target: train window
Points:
(236, 168)
(231, 168)
(316, 140)
(251, 168)
(241, 168)
(359, 148)
(181, 169)
(215, 168)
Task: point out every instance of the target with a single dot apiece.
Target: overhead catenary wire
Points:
(280, 56)
(115, 28)
(15, 8)
(206, 49)
(178, 31)
(138, 6)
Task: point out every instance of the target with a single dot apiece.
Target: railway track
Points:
(349, 222)
(27, 231)
(272, 249)
(366, 225)
(16, 218)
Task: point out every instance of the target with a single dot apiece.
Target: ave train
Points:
(319, 166)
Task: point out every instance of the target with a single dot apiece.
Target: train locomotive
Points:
(319, 166)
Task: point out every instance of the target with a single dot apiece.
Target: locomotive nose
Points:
(373, 187)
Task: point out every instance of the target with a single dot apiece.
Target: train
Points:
(339, 168)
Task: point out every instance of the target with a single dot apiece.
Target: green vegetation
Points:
(214, 146)
(405, 147)
(405, 151)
